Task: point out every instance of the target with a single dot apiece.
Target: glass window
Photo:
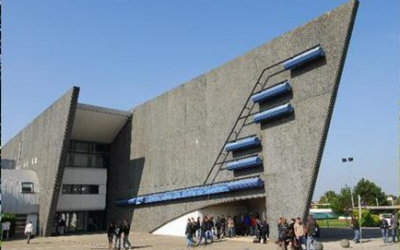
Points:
(81, 160)
(76, 189)
(68, 160)
(82, 147)
(100, 148)
(27, 187)
(94, 189)
(97, 161)
(66, 189)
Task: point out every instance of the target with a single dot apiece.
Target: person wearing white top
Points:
(28, 231)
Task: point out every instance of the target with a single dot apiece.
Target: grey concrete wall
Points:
(13, 200)
(176, 137)
(42, 147)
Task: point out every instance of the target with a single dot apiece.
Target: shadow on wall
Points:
(308, 67)
(278, 121)
(124, 176)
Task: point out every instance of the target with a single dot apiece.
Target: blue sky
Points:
(123, 53)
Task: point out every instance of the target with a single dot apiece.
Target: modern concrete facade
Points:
(172, 141)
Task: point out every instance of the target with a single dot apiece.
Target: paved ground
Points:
(157, 242)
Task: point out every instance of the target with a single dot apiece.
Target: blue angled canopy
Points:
(243, 143)
(303, 58)
(273, 113)
(271, 92)
(245, 163)
(216, 188)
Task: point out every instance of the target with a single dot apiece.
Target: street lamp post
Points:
(344, 160)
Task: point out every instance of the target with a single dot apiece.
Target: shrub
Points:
(12, 218)
(367, 219)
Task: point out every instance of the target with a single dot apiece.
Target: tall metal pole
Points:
(345, 160)
(359, 217)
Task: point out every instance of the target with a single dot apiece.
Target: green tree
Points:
(328, 197)
(369, 193)
(342, 203)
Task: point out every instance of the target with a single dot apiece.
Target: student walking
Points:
(110, 234)
(126, 230)
(231, 227)
(118, 233)
(263, 229)
(189, 234)
(383, 224)
(203, 230)
(28, 231)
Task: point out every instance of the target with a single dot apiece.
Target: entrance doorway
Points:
(79, 221)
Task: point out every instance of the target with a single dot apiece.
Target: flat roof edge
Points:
(104, 110)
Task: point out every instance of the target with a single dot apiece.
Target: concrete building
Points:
(225, 143)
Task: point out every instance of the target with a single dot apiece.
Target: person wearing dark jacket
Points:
(118, 233)
(189, 234)
(126, 230)
(218, 226)
(203, 230)
(263, 229)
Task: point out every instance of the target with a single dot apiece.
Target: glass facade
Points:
(87, 154)
(80, 189)
(79, 221)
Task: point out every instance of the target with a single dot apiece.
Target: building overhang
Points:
(98, 124)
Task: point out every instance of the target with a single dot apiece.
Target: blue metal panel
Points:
(139, 200)
(195, 191)
(303, 58)
(273, 113)
(245, 163)
(243, 143)
(246, 184)
(271, 92)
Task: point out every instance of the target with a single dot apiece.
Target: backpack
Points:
(315, 230)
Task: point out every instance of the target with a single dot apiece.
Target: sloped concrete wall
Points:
(42, 147)
(177, 136)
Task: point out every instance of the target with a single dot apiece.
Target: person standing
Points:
(127, 229)
(62, 226)
(282, 233)
(253, 223)
(356, 228)
(312, 231)
(394, 225)
(28, 231)
(223, 227)
(218, 227)
(231, 227)
(383, 224)
(110, 234)
(299, 232)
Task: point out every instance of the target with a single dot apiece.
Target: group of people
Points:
(394, 227)
(114, 233)
(295, 234)
(210, 228)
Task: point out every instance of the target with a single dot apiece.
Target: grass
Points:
(333, 223)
